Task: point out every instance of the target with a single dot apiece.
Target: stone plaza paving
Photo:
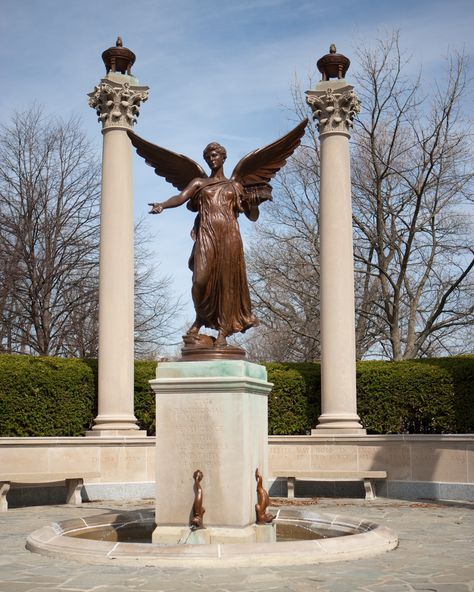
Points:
(435, 554)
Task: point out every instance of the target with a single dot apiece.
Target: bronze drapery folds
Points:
(220, 291)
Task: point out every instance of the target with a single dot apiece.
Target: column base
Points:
(101, 433)
(115, 425)
(332, 423)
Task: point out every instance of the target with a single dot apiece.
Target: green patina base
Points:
(211, 368)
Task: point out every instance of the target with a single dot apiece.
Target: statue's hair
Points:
(215, 146)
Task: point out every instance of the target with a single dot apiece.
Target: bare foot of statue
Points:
(221, 340)
(194, 329)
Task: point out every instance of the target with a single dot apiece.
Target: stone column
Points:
(334, 104)
(116, 100)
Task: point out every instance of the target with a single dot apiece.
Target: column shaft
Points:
(334, 104)
(116, 291)
(338, 375)
(116, 100)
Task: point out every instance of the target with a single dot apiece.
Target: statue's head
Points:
(214, 147)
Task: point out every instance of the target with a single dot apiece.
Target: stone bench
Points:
(368, 477)
(73, 481)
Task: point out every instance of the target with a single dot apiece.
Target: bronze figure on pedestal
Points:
(263, 501)
(220, 291)
(198, 509)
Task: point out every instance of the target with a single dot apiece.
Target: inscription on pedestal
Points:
(198, 428)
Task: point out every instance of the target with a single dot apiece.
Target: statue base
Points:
(203, 347)
(211, 416)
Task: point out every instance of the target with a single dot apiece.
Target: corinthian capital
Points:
(117, 105)
(334, 106)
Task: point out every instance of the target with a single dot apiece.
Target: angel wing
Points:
(177, 169)
(257, 169)
(261, 165)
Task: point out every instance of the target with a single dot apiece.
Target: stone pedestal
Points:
(211, 416)
(334, 104)
(116, 100)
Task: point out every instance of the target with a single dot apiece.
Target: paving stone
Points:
(17, 587)
(435, 554)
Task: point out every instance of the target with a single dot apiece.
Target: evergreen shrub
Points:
(294, 402)
(144, 396)
(405, 398)
(45, 396)
(57, 397)
(424, 396)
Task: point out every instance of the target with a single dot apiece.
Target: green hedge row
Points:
(46, 396)
(57, 397)
(426, 396)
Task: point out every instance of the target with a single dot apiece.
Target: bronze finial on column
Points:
(117, 98)
(333, 64)
(119, 58)
(333, 103)
(198, 509)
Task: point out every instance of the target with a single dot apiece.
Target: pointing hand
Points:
(156, 208)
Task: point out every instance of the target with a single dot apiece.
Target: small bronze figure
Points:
(198, 510)
(220, 291)
(263, 502)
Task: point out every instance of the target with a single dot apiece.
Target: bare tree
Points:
(412, 178)
(155, 308)
(284, 267)
(49, 188)
(284, 262)
(49, 245)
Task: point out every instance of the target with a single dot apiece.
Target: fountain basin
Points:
(303, 537)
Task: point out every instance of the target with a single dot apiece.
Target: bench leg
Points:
(291, 487)
(4, 489)
(369, 489)
(73, 491)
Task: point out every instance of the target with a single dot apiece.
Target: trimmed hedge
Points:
(460, 369)
(294, 402)
(45, 396)
(426, 396)
(405, 397)
(57, 397)
(144, 396)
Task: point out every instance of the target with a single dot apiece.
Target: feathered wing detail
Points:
(177, 169)
(257, 169)
(261, 165)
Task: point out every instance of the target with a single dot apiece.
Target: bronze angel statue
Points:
(219, 286)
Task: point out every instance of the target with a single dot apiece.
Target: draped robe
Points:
(220, 291)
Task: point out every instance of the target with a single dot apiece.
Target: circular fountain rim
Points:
(365, 539)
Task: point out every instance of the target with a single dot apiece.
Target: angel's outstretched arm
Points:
(177, 200)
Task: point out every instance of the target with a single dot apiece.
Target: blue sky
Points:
(216, 71)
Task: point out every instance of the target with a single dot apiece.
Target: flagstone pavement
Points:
(435, 554)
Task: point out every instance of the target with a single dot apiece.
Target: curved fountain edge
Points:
(369, 539)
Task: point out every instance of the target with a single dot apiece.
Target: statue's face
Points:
(215, 159)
